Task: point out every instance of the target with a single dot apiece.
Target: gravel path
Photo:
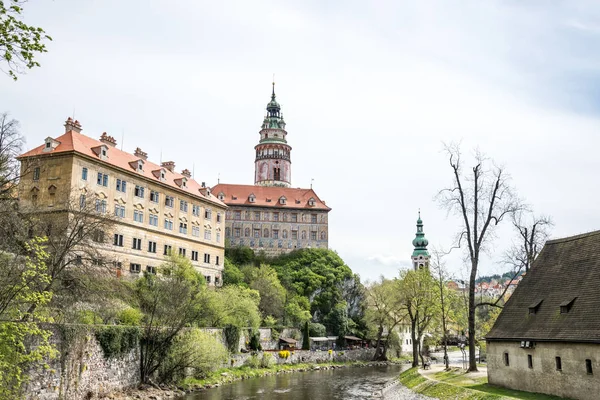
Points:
(399, 392)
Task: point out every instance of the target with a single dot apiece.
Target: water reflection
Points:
(345, 383)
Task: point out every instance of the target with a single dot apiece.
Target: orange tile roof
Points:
(82, 144)
(268, 196)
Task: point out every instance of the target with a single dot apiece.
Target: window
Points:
(558, 364)
(530, 361)
(236, 232)
(100, 206)
(216, 281)
(119, 211)
(137, 244)
(153, 219)
(257, 215)
(323, 236)
(218, 218)
(313, 235)
(207, 279)
(248, 214)
(98, 236)
(168, 224)
(506, 360)
(266, 233)
(256, 233)
(82, 201)
(102, 179)
(218, 237)
(154, 196)
(588, 367)
(151, 247)
(217, 260)
(195, 210)
(118, 240)
(84, 173)
(285, 234)
(196, 231)
(36, 174)
(135, 268)
(138, 216)
(303, 235)
(276, 217)
(169, 201)
(294, 217)
(182, 252)
(207, 258)
(247, 232)
(295, 235)
(139, 191)
(151, 270)
(167, 250)
(121, 186)
(207, 214)
(266, 216)
(313, 218)
(117, 264)
(194, 255)
(183, 206)
(183, 228)
(207, 234)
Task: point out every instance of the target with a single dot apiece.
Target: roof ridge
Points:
(575, 237)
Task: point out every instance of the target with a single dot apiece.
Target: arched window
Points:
(285, 235)
(266, 234)
(303, 235)
(247, 232)
(276, 173)
(285, 217)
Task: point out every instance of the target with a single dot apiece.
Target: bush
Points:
(193, 349)
(117, 341)
(284, 354)
(266, 361)
(232, 337)
(255, 341)
(130, 316)
(252, 361)
(316, 329)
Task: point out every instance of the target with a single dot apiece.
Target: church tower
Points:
(272, 166)
(420, 256)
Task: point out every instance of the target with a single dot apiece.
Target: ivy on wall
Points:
(117, 340)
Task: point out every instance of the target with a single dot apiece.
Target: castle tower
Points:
(272, 166)
(420, 256)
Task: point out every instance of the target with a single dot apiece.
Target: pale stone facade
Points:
(153, 216)
(540, 374)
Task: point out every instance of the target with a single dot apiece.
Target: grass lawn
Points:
(455, 384)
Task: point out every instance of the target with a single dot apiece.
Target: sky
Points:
(370, 92)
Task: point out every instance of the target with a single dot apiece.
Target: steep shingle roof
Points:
(565, 269)
(72, 141)
(268, 196)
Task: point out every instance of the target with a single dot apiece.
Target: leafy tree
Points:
(317, 330)
(305, 337)
(232, 275)
(264, 279)
(420, 301)
(231, 305)
(23, 345)
(241, 255)
(20, 43)
(170, 301)
(297, 311)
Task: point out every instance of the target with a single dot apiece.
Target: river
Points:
(342, 383)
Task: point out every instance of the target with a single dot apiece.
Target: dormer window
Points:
(533, 308)
(104, 152)
(251, 198)
(162, 175)
(221, 196)
(311, 201)
(282, 200)
(181, 182)
(101, 151)
(50, 144)
(566, 306)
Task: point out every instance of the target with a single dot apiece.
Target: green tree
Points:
(297, 311)
(23, 342)
(305, 337)
(232, 275)
(264, 279)
(170, 301)
(20, 43)
(231, 305)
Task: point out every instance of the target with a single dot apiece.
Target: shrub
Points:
(252, 361)
(117, 340)
(255, 341)
(266, 361)
(284, 354)
(232, 337)
(130, 316)
(316, 329)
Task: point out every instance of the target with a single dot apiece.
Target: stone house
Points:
(547, 337)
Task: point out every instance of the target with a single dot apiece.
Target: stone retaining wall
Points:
(310, 357)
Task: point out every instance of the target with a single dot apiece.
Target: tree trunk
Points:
(415, 345)
(472, 361)
(376, 356)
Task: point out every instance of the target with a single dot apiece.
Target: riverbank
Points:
(456, 384)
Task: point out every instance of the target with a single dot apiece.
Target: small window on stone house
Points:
(530, 361)
(588, 367)
(506, 360)
(558, 364)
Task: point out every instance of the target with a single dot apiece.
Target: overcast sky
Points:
(370, 90)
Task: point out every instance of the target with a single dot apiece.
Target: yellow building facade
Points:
(154, 210)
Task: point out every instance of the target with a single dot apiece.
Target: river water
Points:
(342, 383)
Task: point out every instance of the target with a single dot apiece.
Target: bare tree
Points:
(482, 198)
(11, 145)
(532, 231)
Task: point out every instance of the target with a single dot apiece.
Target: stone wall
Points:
(573, 381)
(81, 369)
(310, 357)
(266, 337)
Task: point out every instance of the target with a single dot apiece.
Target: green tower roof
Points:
(420, 242)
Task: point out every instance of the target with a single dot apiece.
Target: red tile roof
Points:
(78, 143)
(268, 196)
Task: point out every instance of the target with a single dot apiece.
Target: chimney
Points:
(170, 165)
(141, 154)
(186, 172)
(203, 184)
(109, 140)
(71, 125)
